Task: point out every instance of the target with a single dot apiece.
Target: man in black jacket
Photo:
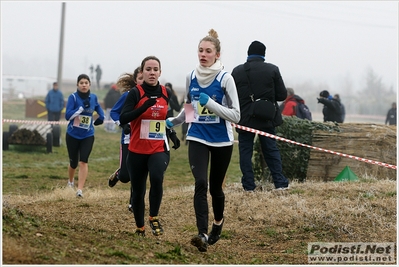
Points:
(265, 82)
(332, 107)
(391, 115)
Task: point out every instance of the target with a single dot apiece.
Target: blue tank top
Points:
(207, 126)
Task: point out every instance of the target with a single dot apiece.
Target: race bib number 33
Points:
(152, 129)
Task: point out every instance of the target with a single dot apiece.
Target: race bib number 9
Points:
(152, 129)
(82, 121)
(204, 115)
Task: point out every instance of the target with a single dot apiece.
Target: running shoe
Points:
(113, 179)
(140, 231)
(201, 242)
(79, 193)
(156, 227)
(214, 236)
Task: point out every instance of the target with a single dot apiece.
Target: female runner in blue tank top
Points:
(212, 95)
(80, 131)
(126, 82)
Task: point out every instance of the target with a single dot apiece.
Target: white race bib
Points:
(152, 129)
(204, 115)
(82, 121)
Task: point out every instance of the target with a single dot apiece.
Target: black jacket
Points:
(331, 110)
(266, 83)
(391, 117)
(111, 98)
(173, 105)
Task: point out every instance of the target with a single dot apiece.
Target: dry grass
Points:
(265, 227)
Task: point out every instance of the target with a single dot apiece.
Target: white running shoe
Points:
(79, 193)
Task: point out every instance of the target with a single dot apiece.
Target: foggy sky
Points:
(322, 42)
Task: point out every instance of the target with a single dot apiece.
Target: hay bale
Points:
(370, 141)
(30, 134)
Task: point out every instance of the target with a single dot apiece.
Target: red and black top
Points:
(148, 129)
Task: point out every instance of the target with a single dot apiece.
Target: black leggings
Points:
(123, 172)
(78, 149)
(140, 165)
(199, 155)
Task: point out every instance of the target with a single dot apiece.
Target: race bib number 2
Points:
(204, 115)
(152, 129)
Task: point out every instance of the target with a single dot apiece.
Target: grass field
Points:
(44, 223)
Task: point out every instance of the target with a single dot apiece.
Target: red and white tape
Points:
(43, 122)
(245, 129)
(313, 147)
(35, 122)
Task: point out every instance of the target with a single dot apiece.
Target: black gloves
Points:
(86, 103)
(175, 140)
(126, 128)
(98, 122)
(150, 102)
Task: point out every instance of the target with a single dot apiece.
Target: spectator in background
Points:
(266, 83)
(110, 99)
(91, 71)
(391, 115)
(332, 107)
(173, 102)
(99, 73)
(292, 105)
(288, 106)
(54, 103)
(343, 112)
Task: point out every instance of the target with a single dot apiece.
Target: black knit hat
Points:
(324, 93)
(257, 48)
(168, 85)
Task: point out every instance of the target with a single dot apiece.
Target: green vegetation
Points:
(294, 157)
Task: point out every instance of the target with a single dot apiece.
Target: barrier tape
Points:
(246, 129)
(313, 147)
(43, 122)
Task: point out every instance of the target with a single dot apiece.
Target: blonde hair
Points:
(213, 38)
(128, 80)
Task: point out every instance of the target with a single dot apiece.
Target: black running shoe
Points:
(201, 242)
(215, 233)
(113, 179)
(156, 226)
